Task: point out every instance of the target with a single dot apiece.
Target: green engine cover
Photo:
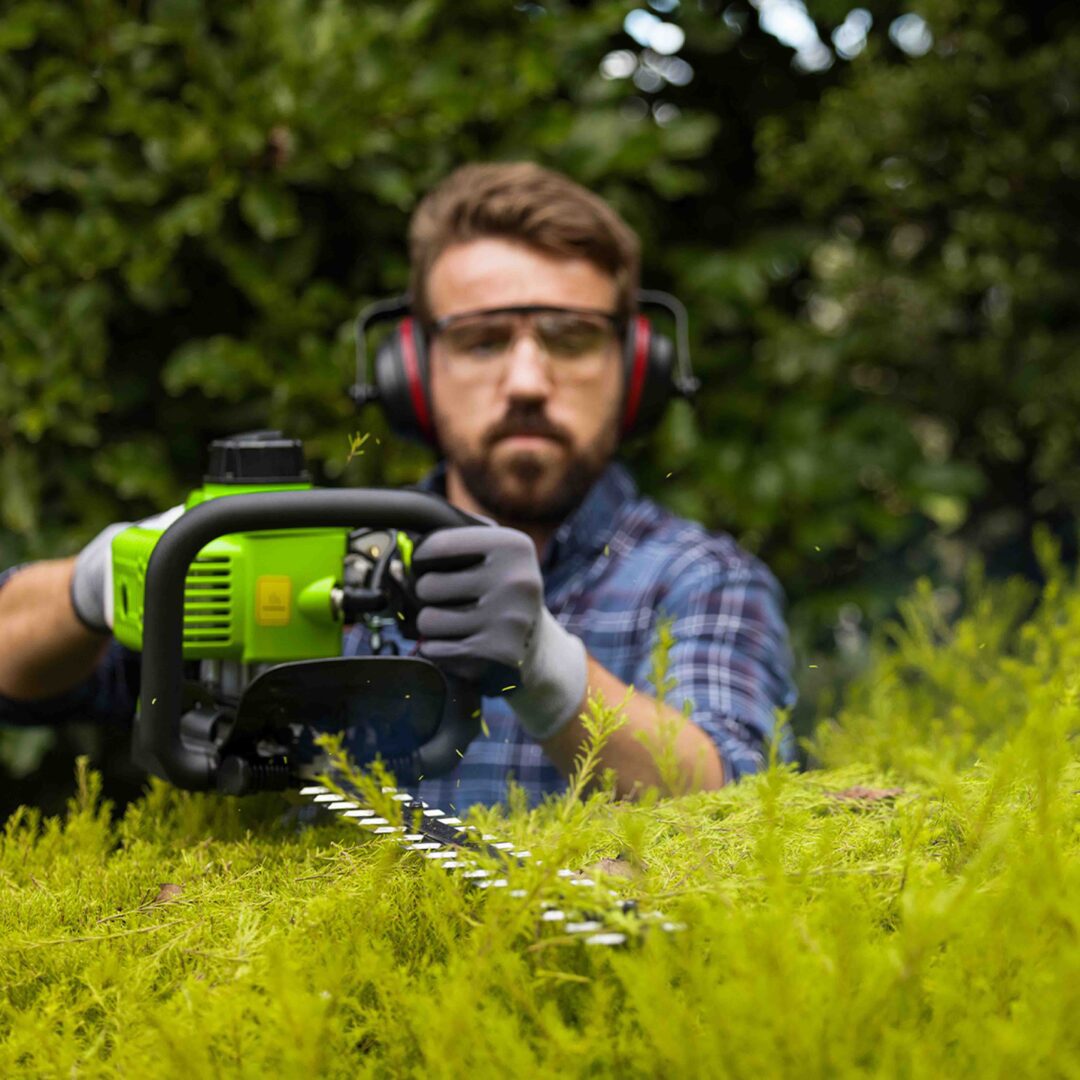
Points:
(253, 597)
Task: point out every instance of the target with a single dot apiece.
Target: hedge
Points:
(910, 910)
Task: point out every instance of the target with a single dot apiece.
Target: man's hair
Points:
(523, 202)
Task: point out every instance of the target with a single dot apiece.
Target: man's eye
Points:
(573, 337)
(479, 341)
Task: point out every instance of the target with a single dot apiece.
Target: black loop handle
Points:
(158, 743)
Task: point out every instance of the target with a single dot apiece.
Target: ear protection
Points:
(654, 368)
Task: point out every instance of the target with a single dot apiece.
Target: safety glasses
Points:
(577, 340)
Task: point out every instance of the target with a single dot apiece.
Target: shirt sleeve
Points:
(731, 659)
(107, 697)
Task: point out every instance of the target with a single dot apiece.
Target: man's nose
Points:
(528, 369)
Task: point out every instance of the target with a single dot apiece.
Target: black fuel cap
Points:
(257, 457)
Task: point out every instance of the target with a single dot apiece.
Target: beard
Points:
(522, 487)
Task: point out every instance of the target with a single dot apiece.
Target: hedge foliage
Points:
(912, 910)
(879, 259)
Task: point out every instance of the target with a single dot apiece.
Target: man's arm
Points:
(44, 648)
(632, 751)
(730, 658)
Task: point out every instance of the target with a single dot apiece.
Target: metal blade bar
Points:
(437, 836)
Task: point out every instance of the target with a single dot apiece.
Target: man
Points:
(523, 284)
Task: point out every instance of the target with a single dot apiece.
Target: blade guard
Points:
(158, 743)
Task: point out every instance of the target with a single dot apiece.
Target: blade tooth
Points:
(590, 926)
(611, 938)
(446, 856)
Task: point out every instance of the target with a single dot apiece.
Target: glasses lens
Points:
(566, 336)
(481, 338)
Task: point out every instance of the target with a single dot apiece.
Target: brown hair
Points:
(525, 202)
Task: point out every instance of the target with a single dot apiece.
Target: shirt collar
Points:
(587, 529)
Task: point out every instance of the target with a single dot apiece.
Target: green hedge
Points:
(880, 260)
(911, 911)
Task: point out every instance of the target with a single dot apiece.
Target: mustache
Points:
(526, 425)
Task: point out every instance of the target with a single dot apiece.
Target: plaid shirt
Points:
(615, 565)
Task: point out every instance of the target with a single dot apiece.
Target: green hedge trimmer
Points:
(238, 603)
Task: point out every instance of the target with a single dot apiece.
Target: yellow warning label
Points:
(273, 600)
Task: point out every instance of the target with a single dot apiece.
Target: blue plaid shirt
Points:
(615, 565)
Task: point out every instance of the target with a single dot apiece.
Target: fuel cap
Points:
(257, 457)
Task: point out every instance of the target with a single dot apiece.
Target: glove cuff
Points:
(91, 581)
(554, 679)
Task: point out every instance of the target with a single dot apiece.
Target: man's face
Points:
(526, 430)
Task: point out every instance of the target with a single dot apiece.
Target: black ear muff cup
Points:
(401, 375)
(648, 360)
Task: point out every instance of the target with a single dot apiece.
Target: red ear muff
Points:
(401, 382)
(654, 369)
(639, 334)
(415, 379)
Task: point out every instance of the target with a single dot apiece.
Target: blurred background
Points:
(871, 212)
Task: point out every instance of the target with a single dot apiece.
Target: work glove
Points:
(483, 619)
(92, 580)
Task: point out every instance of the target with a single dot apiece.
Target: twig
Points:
(95, 937)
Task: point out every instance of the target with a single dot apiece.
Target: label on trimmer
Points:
(273, 600)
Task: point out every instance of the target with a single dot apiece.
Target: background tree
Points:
(871, 213)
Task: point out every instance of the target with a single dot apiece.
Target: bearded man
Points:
(524, 361)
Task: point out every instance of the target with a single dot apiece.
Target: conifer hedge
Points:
(912, 910)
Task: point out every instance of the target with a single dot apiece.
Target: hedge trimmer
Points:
(238, 603)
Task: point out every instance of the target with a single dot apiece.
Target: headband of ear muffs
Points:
(401, 378)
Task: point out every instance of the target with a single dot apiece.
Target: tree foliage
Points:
(879, 257)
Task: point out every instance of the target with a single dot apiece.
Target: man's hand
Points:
(484, 620)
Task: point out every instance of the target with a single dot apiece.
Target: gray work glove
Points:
(484, 620)
(92, 581)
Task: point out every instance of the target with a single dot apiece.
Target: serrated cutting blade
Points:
(441, 838)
